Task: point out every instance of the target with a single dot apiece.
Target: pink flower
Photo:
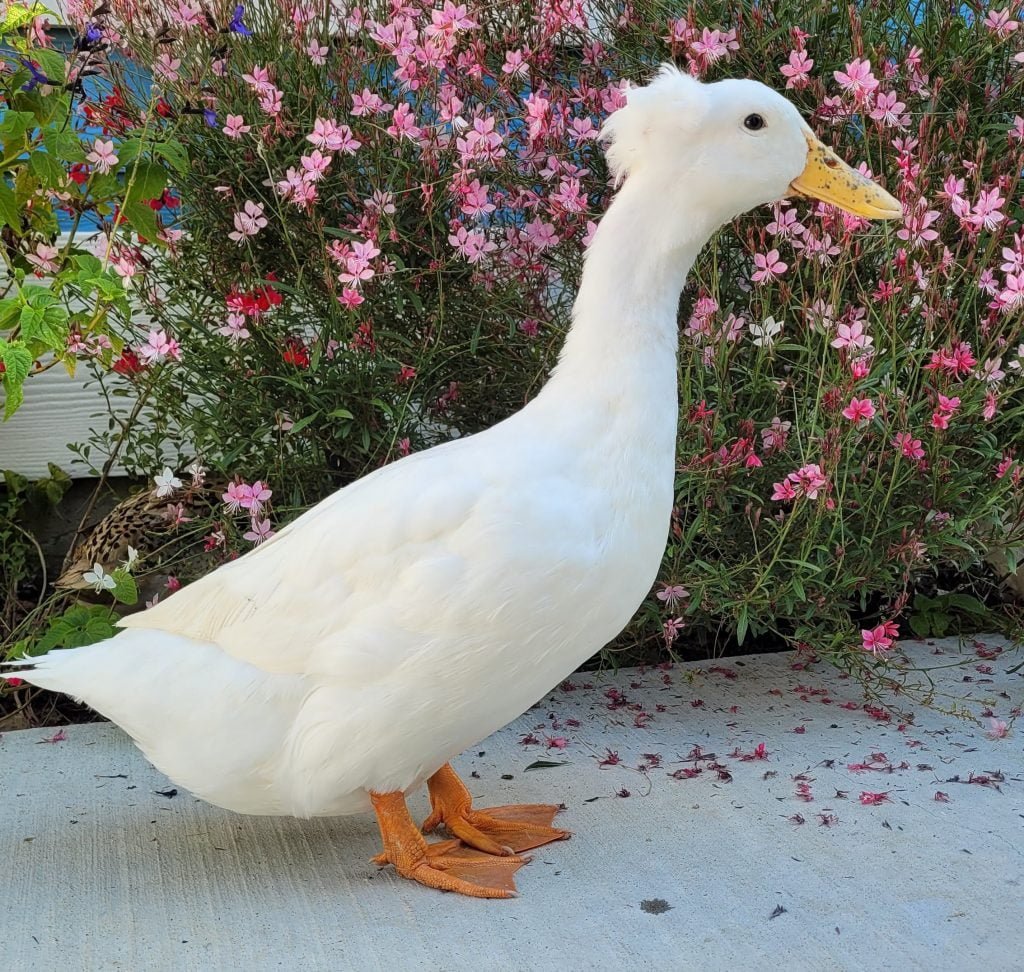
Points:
(542, 235)
(235, 328)
(235, 127)
(917, 226)
(876, 640)
(997, 729)
(857, 79)
(769, 266)
(671, 628)
(476, 199)
(798, 71)
(949, 405)
(1016, 132)
(671, 593)
(1013, 292)
(102, 156)
(403, 123)
(986, 213)
(713, 45)
(807, 481)
(889, 111)
(350, 298)
(852, 336)
(471, 244)
(237, 496)
(332, 137)
(317, 52)
(259, 79)
(44, 259)
(859, 410)
(259, 532)
(314, 165)
(368, 103)
(515, 64)
(270, 101)
(908, 445)
(248, 222)
(159, 347)
(784, 491)
(165, 67)
(990, 408)
(258, 495)
(1000, 23)
(873, 799)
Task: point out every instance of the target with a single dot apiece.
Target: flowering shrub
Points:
(64, 152)
(386, 207)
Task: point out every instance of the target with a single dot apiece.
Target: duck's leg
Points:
(448, 865)
(495, 830)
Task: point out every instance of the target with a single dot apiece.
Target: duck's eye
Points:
(753, 123)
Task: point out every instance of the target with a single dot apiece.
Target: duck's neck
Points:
(619, 358)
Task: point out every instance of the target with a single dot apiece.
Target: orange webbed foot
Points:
(502, 831)
(448, 865)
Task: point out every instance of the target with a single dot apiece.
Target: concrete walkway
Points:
(723, 818)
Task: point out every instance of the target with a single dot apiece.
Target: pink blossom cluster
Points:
(806, 481)
(253, 499)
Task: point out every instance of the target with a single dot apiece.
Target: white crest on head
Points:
(672, 101)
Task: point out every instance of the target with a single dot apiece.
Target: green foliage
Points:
(45, 166)
(81, 624)
(953, 613)
(20, 556)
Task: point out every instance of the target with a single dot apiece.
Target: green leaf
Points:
(17, 360)
(14, 126)
(87, 261)
(9, 212)
(146, 180)
(45, 322)
(10, 311)
(303, 422)
(919, 625)
(63, 144)
(125, 589)
(174, 153)
(142, 219)
(128, 151)
(14, 395)
(49, 171)
(79, 625)
(52, 62)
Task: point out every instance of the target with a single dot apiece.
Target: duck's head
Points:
(718, 150)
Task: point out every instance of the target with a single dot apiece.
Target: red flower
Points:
(128, 363)
(296, 353)
(873, 799)
(79, 173)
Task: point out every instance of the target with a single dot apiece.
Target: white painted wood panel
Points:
(57, 410)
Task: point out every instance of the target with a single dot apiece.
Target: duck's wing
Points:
(350, 587)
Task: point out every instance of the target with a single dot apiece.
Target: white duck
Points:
(414, 612)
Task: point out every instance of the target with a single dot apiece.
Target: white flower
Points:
(166, 483)
(765, 333)
(99, 578)
(133, 555)
(197, 471)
